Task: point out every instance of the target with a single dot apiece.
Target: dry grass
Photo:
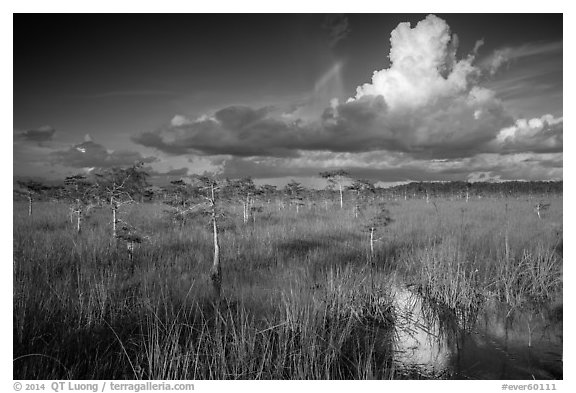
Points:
(302, 297)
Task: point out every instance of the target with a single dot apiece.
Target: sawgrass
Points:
(303, 298)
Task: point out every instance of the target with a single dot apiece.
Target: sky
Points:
(388, 97)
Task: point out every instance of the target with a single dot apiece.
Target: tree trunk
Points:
(341, 198)
(372, 241)
(246, 205)
(78, 221)
(216, 270)
(29, 206)
(247, 209)
(130, 248)
(114, 208)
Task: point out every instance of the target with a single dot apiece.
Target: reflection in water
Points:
(420, 340)
(502, 344)
(511, 344)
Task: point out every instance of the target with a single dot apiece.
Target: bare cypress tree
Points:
(30, 190)
(211, 188)
(132, 236)
(117, 187)
(201, 196)
(267, 192)
(294, 191)
(380, 220)
(337, 178)
(181, 197)
(243, 190)
(362, 188)
(540, 207)
(80, 195)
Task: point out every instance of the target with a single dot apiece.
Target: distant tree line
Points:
(341, 187)
(460, 189)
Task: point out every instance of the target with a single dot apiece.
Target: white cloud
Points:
(483, 177)
(542, 134)
(179, 120)
(423, 66)
(427, 103)
(426, 117)
(432, 103)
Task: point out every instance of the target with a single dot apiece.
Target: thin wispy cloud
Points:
(90, 154)
(503, 56)
(40, 134)
(128, 93)
(337, 28)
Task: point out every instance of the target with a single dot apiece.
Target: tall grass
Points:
(303, 298)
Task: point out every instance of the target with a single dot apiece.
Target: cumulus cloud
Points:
(427, 110)
(40, 134)
(462, 125)
(483, 177)
(539, 135)
(179, 120)
(423, 66)
(89, 154)
(427, 103)
(235, 130)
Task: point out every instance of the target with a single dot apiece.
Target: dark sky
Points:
(222, 92)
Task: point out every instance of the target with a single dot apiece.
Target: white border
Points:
(296, 6)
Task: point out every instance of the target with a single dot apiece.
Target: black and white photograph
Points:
(287, 196)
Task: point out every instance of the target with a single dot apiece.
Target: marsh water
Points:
(500, 343)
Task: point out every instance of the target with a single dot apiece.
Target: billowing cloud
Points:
(40, 134)
(235, 130)
(423, 67)
(425, 117)
(427, 103)
(539, 135)
(432, 102)
(458, 126)
(89, 154)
